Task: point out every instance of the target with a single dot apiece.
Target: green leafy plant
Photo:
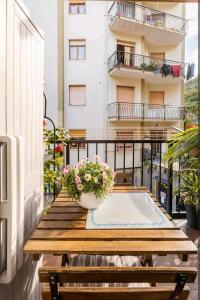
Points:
(152, 67)
(189, 187)
(88, 177)
(182, 144)
(53, 172)
(61, 135)
(54, 162)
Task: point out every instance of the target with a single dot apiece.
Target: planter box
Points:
(193, 216)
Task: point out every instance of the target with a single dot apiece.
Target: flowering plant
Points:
(88, 177)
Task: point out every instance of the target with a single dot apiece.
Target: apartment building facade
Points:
(124, 68)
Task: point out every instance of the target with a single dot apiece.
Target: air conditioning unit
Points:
(11, 207)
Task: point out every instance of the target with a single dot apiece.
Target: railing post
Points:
(169, 188)
(118, 111)
(67, 154)
(143, 111)
(164, 112)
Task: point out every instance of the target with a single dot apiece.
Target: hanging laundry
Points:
(165, 70)
(176, 70)
(190, 71)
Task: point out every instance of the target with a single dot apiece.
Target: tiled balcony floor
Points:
(170, 260)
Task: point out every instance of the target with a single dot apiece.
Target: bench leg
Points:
(65, 260)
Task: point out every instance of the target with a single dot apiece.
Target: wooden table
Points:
(62, 231)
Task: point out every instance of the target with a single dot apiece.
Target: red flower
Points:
(189, 126)
(59, 148)
(44, 123)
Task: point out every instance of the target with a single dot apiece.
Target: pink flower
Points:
(44, 123)
(113, 175)
(66, 170)
(77, 180)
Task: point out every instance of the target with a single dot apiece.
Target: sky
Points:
(191, 54)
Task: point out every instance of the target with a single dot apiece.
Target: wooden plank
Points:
(58, 210)
(75, 209)
(97, 293)
(140, 234)
(64, 204)
(120, 274)
(111, 247)
(65, 199)
(61, 225)
(65, 216)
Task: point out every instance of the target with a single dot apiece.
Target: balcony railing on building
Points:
(145, 63)
(139, 111)
(148, 16)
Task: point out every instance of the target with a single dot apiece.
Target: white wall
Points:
(44, 13)
(90, 72)
(21, 115)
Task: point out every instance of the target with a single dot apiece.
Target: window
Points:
(77, 95)
(77, 50)
(77, 7)
(75, 135)
(157, 135)
(125, 135)
(156, 98)
(125, 94)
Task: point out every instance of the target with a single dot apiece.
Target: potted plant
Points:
(88, 182)
(186, 145)
(189, 189)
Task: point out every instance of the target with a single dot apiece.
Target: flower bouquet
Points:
(88, 182)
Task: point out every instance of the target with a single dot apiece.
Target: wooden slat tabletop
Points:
(62, 230)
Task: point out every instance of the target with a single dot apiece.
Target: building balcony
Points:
(153, 70)
(156, 26)
(139, 111)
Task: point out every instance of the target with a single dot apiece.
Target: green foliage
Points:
(52, 173)
(53, 166)
(182, 144)
(88, 177)
(149, 67)
(61, 135)
(189, 187)
(191, 96)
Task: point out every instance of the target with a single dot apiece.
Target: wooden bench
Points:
(58, 277)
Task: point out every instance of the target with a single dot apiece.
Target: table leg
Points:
(65, 260)
(147, 260)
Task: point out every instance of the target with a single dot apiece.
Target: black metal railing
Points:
(136, 162)
(145, 63)
(134, 111)
(149, 16)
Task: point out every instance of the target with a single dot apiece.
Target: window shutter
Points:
(156, 98)
(77, 133)
(125, 94)
(76, 1)
(77, 95)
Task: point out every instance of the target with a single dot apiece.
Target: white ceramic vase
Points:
(89, 201)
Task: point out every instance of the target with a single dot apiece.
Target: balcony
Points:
(138, 111)
(156, 26)
(153, 70)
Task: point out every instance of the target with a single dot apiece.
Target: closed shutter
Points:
(125, 94)
(77, 1)
(156, 98)
(158, 55)
(77, 133)
(77, 95)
